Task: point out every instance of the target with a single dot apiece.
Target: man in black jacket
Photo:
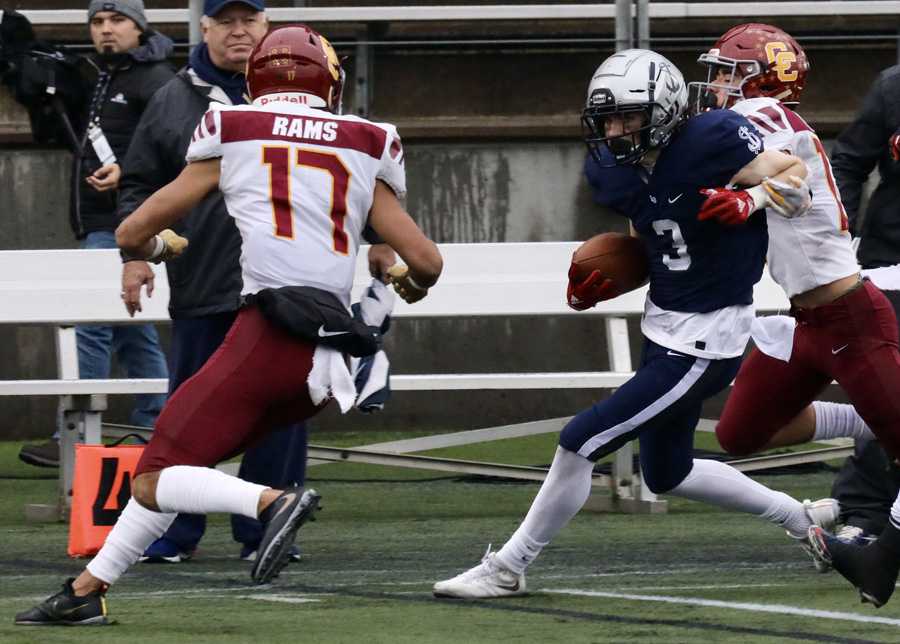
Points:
(864, 144)
(205, 282)
(129, 65)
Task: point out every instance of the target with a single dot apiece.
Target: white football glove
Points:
(789, 199)
(405, 285)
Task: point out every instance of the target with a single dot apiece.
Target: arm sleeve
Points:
(391, 169)
(206, 143)
(858, 149)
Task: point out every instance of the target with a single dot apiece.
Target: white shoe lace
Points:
(485, 568)
(848, 532)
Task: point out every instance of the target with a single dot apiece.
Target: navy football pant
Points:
(661, 406)
(278, 460)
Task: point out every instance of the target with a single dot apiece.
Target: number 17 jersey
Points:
(299, 183)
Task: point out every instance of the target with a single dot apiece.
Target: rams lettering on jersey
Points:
(309, 129)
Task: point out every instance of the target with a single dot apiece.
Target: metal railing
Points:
(658, 10)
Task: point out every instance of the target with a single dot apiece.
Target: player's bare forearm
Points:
(770, 164)
(166, 206)
(401, 233)
(797, 169)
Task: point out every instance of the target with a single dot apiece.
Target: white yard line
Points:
(638, 589)
(757, 608)
(285, 599)
(210, 593)
(673, 570)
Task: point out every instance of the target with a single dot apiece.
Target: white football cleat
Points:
(486, 580)
(823, 513)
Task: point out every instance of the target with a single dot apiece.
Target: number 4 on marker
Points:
(108, 470)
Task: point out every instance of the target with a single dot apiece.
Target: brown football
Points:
(620, 257)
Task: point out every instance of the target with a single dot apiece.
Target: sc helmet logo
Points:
(782, 60)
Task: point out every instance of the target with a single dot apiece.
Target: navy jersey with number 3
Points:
(696, 266)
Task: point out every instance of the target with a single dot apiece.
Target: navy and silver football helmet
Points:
(637, 87)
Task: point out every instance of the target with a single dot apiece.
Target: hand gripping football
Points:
(621, 258)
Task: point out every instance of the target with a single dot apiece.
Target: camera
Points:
(44, 78)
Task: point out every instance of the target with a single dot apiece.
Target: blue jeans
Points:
(136, 346)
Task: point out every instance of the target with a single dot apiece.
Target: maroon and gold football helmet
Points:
(753, 60)
(295, 58)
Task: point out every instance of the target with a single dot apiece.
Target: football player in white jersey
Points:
(301, 181)
(845, 329)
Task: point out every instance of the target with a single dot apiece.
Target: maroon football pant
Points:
(256, 380)
(852, 340)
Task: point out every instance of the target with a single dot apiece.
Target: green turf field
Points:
(385, 535)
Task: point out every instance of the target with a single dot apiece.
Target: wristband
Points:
(129, 258)
(412, 282)
(159, 247)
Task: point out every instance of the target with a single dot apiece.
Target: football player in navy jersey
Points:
(674, 179)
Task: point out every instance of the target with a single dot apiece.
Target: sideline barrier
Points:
(65, 287)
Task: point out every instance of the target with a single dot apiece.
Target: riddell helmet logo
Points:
(601, 96)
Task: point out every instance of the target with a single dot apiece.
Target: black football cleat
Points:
(66, 609)
(872, 568)
(281, 520)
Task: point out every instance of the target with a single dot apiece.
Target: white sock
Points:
(565, 490)
(200, 490)
(135, 530)
(724, 486)
(836, 420)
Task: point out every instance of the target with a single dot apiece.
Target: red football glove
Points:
(894, 146)
(584, 294)
(729, 207)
